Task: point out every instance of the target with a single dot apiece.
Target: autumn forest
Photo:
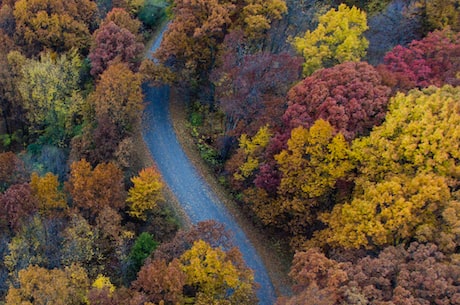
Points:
(333, 126)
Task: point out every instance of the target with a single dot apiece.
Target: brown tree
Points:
(94, 189)
(118, 97)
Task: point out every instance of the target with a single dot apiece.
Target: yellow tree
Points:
(49, 89)
(213, 275)
(40, 286)
(251, 149)
(337, 39)
(47, 193)
(258, 15)
(311, 165)
(146, 193)
(408, 171)
(388, 213)
(55, 24)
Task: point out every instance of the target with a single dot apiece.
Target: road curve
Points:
(193, 194)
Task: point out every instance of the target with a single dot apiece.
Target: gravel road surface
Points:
(193, 194)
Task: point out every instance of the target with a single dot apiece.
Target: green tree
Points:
(146, 193)
(337, 39)
(142, 248)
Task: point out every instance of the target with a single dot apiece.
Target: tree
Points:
(420, 274)
(251, 149)
(193, 37)
(40, 286)
(416, 137)
(391, 212)
(118, 96)
(112, 44)
(12, 170)
(56, 25)
(350, 96)
(251, 90)
(123, 19)
(440, 14)
(407, 174)
(94, 189)
(142, 248)
(213, 276)
(146, 193)
(79, 243)
(434, 60)
(47, 193)
(16, 204)
(209, 231)
(337, 39)
(160, 281)
(49, 89)
(310, 167)
(258, 15)
(36, 243)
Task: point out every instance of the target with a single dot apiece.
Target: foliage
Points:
(94, 189)
(40, 286)
(122, 19)
(420, 274)
(434, 60)
(214, 276)
(258, 15)
(112, 44)
(16, 205)
(118, 96)
(251, 148)
(146, 193)
(193, 37)
(251, 90)
(152, 12)
(440, 14)
(47, 193)
(337, 39)
(391, 212)
(160, 281)
(408, 168)
(79, 242)
(12, 170)
(49, 89)
(142, 248)
(36, 243)
(56, 25)
(350, 96)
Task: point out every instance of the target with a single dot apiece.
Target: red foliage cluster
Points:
(434, 60)
(251, 88)
(112, 43)
(350, 96)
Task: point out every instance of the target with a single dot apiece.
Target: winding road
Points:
(193, 194)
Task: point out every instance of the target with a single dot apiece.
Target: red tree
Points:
(15, 204)
(112, 43)
(251, 89)
(434, 60)
(350, 96)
